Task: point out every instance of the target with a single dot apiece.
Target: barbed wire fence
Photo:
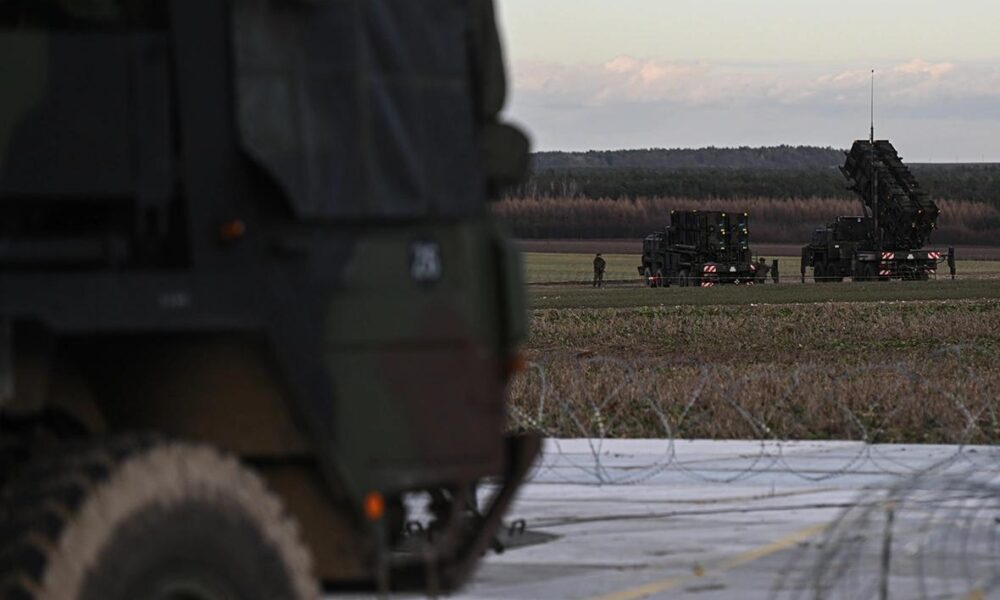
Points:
(932, 530)
(933, 535)
(579, 401)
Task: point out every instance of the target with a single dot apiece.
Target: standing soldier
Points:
(762, 269)
(599, 266)
(774, 271)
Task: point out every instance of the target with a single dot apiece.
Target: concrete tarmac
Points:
(694, 519)
(633, 519)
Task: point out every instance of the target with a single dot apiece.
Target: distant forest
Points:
(615, 193)
(778, 157)
(972, 182)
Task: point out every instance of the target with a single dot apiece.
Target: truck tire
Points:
(683, 278)
(661, 281)
(650, 282)
(819, 274)
(151, 519)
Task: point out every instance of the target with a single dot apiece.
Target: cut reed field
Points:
(771, 219)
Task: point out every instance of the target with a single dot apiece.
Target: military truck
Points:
(699, 248)
(888, 241)
(254, 311)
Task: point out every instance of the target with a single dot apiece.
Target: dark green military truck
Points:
(253, 306)
(888, 241)
(700, 249)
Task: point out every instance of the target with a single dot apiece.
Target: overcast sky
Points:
(604, 74)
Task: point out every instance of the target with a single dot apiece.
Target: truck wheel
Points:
(148, 519)
(818, 273)
(683, 278)
(649, 278)
(661, 281)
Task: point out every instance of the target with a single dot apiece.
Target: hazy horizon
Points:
(695, 149)
(630, 74)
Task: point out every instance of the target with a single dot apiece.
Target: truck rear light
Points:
(230, 231)
(374, 506)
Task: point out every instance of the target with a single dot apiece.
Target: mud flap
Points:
(449, 561)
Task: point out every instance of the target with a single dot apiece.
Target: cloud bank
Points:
(631, 101)
(627, 79)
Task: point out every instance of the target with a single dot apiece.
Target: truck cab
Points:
(250, 243)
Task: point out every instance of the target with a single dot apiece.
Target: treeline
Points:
(972, 182)
(772, 219)
(777, 157)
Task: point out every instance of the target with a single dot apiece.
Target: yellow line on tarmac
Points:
(665, 585)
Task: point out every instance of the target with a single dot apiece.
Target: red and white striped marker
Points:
(888, 255)
(707, 284)
(711, 268)
(885, 273)
(934, 255)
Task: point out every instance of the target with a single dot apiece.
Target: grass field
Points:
(882, 371)
(583, 296)
(907, 361)
(565, 267)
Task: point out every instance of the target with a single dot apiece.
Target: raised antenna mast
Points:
(877, 232)
(873, 108)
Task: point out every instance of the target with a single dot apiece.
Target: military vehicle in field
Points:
(699, 248)
(253, 306)
(888, 241)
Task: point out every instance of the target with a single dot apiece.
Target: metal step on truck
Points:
(888, 241)
(699, 249)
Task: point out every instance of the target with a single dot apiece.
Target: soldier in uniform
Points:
(774, 271)
(599, 266)
(762, 269)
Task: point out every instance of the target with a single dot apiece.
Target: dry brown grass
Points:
(883, 372)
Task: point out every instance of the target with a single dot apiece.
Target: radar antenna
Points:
(873, 109)
(877, 233)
